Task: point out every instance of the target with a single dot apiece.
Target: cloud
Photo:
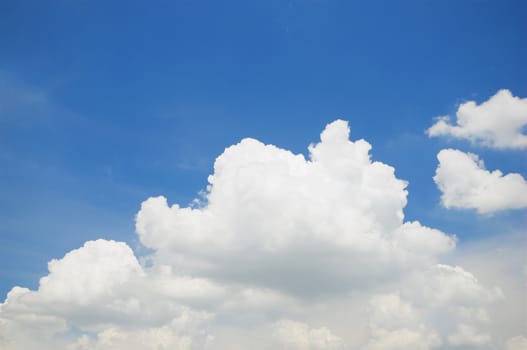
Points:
(277, 220)
(115, 338)
(496, 123)
(498, 259)
(299, 336)
(396, 324)
(517, 343)
(466, 335)
(465, 183)
(281, 252)
(402, 339)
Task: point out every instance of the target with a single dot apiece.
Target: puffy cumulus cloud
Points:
(336, 198)
(101, 292)
(97, 268)
(306, 226)
(299, 336)
(76, 284)
(496, 123)
(281, 252)
(465, 183)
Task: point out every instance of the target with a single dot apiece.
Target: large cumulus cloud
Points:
(280, 252)
(274, 219)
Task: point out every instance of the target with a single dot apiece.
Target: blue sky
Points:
(104, 104)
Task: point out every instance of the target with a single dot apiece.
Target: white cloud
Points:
(113, 338)
(497, 123)
(396, 324)
(465, 183)
(283, 252)
(447, 285)
(468, 336)
(498, 260)
(416, 316)
(271, 215)
(403, 339)
(101, 288)
(97, 269)
(517, 343)
(299, 336)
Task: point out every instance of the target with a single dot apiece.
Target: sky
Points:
(300, 174)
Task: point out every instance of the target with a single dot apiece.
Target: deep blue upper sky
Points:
(103, 104)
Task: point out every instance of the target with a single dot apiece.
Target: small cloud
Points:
(496, 123)
(465, 183)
